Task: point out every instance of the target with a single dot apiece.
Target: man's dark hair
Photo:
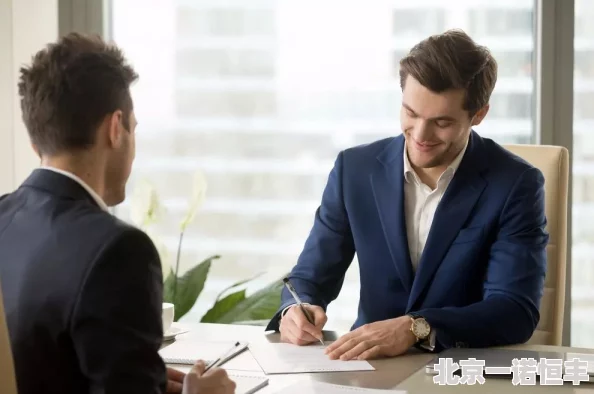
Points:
(452, 60)
(68, 90)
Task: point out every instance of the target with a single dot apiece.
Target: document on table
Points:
(188, 351)
(280, 358)
(312, 387)
(246, 384)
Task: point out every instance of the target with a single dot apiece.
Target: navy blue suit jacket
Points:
(480, 278)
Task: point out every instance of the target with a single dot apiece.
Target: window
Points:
(582, 292)
(417, 21)
(502, 22)
(261, 95)
(224, 21)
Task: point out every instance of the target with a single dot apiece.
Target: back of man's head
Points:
(68, 90)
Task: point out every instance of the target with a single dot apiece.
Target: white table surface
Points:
(405, 372)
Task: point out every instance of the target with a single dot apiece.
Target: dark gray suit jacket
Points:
(82, 293)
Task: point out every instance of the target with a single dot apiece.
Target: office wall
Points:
(25, 27)
(6, 97)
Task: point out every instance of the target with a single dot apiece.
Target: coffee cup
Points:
(167, 316)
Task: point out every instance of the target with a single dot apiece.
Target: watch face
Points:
(421, 328)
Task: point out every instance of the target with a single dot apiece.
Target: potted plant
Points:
(233, 304)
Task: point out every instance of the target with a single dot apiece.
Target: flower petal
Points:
(199, 187)
(144, 204)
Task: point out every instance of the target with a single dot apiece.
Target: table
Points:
(405, 372)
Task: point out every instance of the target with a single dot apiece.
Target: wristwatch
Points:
(419, 327)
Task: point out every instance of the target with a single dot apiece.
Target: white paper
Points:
(247, 384)
(312, 387)
(188, 351)
(277, 358)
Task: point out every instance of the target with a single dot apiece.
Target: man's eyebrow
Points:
(441, 117)
(408, 108)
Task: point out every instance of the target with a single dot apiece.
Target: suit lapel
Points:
(454, 209)
(387, 182)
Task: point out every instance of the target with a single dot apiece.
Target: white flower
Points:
(199, 187)
(163, 254)
(144, 204)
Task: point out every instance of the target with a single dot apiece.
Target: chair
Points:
(553, 161)
(7, 378)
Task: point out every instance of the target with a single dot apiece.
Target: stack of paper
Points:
(187, 352)
(278, 358)
(311, 387)
(245, 367)
(247, 384)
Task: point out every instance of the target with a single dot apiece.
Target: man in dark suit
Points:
(82, 289)
(448, 227)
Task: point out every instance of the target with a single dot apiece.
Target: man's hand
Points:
(215, 381)
(294, 327)
(175, 381)
(387, 338)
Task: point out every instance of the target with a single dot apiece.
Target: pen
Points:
(222, 358)
(308, 316)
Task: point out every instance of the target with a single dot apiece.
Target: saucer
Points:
(174, 330)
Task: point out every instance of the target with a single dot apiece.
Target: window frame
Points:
(554, 60)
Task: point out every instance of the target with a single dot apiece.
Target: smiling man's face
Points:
(436, 125)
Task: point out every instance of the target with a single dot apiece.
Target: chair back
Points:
(553, 162)
(7, 377)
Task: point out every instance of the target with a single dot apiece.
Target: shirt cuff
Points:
(289, 307)
(429, 344)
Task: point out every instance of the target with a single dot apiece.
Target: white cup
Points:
(167, 316)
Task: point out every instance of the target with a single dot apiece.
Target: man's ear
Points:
(115, 129)
(480, 115)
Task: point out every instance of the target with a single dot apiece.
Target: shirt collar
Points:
(409, 172)
(83, 184)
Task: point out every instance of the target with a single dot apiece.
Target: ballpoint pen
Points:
(223, 358)
(308, 315)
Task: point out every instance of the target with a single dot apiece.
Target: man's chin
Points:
(427, 162)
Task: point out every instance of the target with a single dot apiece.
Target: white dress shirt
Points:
(420, 204)
(92, 192)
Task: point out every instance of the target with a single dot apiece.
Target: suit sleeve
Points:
(514, 282)
(329, 250)
(116, 323)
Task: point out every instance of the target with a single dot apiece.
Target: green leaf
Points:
(168, 287)
(236, 284)
(223, 306)
(189, 287)
(262, 305)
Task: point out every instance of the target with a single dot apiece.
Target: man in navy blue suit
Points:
(448, 227)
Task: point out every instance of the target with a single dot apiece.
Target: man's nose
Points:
(421, 131)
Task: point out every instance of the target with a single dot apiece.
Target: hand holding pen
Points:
(237, 348)
(302, 324)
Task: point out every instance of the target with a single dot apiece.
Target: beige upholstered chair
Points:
(553, 161)
(7, 379)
